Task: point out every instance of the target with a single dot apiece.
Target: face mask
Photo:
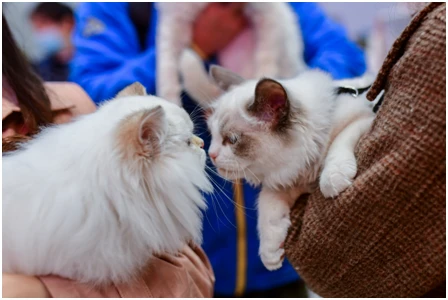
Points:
(49, 40)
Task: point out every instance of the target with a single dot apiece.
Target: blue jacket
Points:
(108, 58)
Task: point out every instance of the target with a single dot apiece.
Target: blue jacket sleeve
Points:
(327, 46)
(107, 56)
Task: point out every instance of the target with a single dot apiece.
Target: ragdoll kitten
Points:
(94, 199)
(285, 135)
(278, 50)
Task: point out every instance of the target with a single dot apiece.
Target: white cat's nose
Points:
(197, 141)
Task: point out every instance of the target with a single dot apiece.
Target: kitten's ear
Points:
(152, 125)
(224, 78)
(271, 104)
(135, 89)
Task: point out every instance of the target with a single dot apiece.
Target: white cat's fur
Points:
(320, 140)
(94, 199)
(278, 50)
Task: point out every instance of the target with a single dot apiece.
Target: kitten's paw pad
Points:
(337, 176)
(272, 259)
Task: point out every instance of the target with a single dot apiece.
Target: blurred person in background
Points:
(53, 24)
(116, 46)
(28, 104)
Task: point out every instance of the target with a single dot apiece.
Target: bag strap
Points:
(140, 14)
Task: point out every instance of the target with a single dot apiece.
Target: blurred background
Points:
(373, 25)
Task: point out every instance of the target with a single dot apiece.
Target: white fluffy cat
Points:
(94, 199)
(278, 51)
(283, 134)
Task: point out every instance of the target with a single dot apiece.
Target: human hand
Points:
(217, 25)
(22, 286)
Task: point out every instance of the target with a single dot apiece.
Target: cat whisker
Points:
(253, 174)
(216, 173)
(213, 200)
(214, 207)
(208, 220)
(196, 111)
(230, 199)
(226, 215)
(216, 185)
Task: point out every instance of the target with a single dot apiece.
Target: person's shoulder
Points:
(69, 96)
(438, 13)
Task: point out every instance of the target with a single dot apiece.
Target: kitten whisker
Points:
(208, 220)
(254, 175)
(216, 185)
(230, 199)
(214, 207)
(213, 200)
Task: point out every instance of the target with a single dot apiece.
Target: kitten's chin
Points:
(229, 174)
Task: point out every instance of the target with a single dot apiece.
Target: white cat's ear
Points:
(271, 104)
(135, 89)
(152, 127)
(143, 133)
(224, 78)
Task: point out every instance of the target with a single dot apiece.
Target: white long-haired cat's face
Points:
(147, 131)
(248, 128)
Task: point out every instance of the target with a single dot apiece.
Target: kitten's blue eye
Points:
(230, 139)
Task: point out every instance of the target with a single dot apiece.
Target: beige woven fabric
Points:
(385, 235)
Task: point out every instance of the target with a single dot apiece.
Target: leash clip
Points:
(354, 93)
(348, 90)
(351, 90)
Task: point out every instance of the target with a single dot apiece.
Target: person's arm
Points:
(385, 235)
(187, 274)
(22, 286)
(107, 56)
(327, 46)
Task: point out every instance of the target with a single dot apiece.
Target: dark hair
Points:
(52, 10)
(12, 143)
(31, 95)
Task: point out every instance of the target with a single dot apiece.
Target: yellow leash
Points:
(241, 267)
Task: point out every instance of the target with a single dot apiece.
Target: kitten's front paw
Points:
(273, 236)
(337, 175)
(272, 258)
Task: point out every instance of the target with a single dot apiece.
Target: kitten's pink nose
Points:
(213, 155)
